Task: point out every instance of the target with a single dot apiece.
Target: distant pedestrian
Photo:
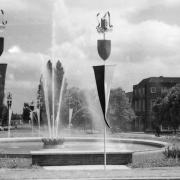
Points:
(157, 131)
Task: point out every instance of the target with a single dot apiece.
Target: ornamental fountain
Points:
(58, 154)
(75, 150)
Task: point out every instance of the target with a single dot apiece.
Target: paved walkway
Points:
(69, 174)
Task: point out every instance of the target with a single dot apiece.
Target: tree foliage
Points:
(26, 113)
(120, 113)
(81, 117)
(167, 109)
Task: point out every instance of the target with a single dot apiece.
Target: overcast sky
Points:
(145, 41)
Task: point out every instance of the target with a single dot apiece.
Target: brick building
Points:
(144, 96)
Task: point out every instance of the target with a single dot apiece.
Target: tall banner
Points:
(103, 76)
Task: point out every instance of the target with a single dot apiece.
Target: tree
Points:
(87, 111)
(166, 109)
(81, 115)
(160, 112)
(120, 113)
(26, 113)
(174, 106)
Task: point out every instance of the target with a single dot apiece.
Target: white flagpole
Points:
(32, 123)
(105, 86)
(105, 147)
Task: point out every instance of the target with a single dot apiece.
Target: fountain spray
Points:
(59, 106)
(53, 69)
(45, 87)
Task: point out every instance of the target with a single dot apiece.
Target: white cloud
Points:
(10, 5)
(23, 75)
(140, 50)
(133, 45)
(170, 2)
(14, 49)
(10, 76)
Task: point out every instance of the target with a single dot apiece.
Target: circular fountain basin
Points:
(77, 151)
(26, 145)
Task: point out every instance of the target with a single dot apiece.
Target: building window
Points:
(153, 89)
(135, 92)
(139, 107)
(135, 105)
(143, 91)
(143, 105)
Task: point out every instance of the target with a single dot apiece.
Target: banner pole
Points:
(105, 114)
(105, 147)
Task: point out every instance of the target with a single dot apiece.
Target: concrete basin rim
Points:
(160, 144)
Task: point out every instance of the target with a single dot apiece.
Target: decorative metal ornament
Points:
(104, 46)
(3, 19)
(104, 25)
(3, 23)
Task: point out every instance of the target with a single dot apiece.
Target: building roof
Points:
(160, 79)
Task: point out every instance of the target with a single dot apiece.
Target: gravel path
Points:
(149, 173)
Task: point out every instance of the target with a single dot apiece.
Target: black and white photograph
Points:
(89, 89)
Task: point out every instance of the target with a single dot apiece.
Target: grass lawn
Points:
(157, 159)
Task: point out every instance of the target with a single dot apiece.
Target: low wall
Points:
(85, 158)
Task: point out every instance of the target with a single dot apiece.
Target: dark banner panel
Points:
(1, 45)
(3, 68)
(99, 72)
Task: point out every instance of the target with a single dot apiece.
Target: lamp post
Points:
(9, 104)
(31, 107)
(70, 112)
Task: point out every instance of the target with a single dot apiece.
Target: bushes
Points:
(169, 158)
(15, 163)
(170, 162)
(8, 163)
(172, 152)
